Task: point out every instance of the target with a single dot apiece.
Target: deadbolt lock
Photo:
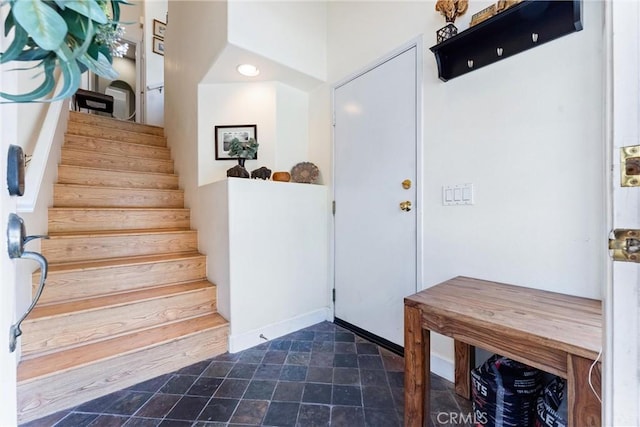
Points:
(406, 184)
(405, 206)
(625, 245)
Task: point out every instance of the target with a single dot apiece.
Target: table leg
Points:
(417, 383)
(583, 406)
(465, 360)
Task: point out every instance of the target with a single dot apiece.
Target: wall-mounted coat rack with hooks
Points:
(519, 28)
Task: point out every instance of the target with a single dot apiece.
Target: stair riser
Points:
(116, 134)
(105, 146)
(62, 390)
(107, 161)
(68, 249)
(120, 219)
(96, 120)
(67, 286)
(54, 333)
(108, 178)
(79, 196)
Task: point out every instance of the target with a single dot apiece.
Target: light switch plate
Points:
(458, 194)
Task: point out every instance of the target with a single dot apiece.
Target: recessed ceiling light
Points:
(248, 70)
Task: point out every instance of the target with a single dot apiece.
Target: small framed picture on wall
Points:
(159, 28)
(158, 46)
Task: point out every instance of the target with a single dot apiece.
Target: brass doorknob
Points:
(405, 206)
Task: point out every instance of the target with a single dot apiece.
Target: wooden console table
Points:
(556, 333)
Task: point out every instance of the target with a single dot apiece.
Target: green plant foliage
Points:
(243, 149)
(72, 35)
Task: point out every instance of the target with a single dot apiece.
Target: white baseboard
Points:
(243, 341)
(442, 367)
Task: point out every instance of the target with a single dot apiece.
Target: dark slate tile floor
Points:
(323, 375)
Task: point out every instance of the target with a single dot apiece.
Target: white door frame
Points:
(621, 362)
(417, 43)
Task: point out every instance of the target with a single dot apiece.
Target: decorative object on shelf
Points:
(159, 28)
(522, 26)
(71, 37)
(483, 15)
(158, 46)
(305, 172)
(237, 172)
(243, 149)
(505, 4)
(243, 133)
(261, 173)
(450, 9)
(281, 176)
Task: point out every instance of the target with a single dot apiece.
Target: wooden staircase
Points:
(126, 297)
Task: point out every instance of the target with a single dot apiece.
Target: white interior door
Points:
(376, 140)
(622, 300)
(9, 135)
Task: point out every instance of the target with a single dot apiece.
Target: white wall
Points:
(278, 111)
(527, 131)
(187, 60)
(154, 63)
(130, 15)
(266, 28)
(235, 104)
(268, 248)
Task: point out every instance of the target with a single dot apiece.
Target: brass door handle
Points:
(405, 206)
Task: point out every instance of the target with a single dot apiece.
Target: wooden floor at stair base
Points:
(81, 175)
(41, 393)
(72, 281)
(70, 195)
(58, 326)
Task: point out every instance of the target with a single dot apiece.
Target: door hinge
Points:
(334, 294)
(333, 207)
(625, 245)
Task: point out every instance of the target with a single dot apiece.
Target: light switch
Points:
(466, 194)
(458, 194)
(448, 195)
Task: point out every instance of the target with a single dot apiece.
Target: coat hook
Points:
(470, 63)
(534, 37)
(499, 51)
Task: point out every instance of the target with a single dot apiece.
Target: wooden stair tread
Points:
(59, 267)
(93, 168)
(58, 309)
(116, 156)
(107, 208)
(110, 146)
(159, 190)
(79, 117)
(100, 233)
(32, 369)
(117, 134)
